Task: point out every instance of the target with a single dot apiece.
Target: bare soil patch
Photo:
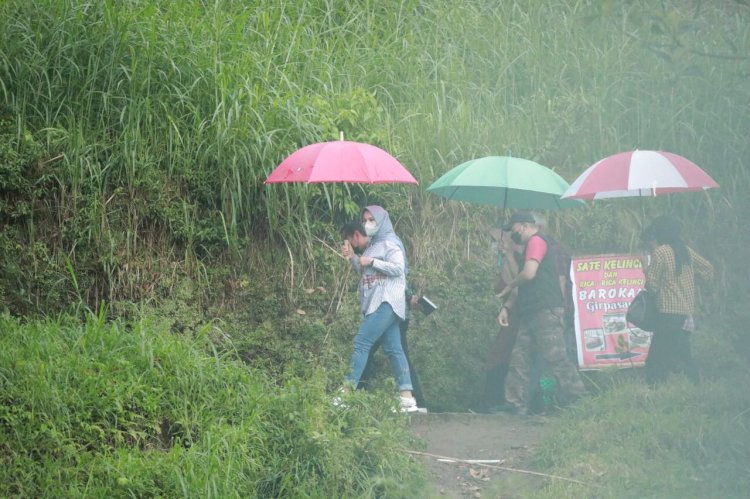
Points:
(469, 437)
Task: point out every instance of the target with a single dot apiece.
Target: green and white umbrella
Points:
(505, 182)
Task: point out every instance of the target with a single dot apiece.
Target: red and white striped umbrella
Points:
(639, 173)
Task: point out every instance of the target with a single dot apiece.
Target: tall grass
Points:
(170, 116)
(135, 142)
(678, 440)
(102, 409)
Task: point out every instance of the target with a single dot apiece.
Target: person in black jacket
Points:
(540, 308)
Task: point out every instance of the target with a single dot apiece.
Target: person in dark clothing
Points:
(540, 309)
(671, 276)
(561, 255)
(498, 358)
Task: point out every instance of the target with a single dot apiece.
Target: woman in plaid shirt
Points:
(671, 276)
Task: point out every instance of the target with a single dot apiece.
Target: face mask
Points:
(516, 237)
(371, 228)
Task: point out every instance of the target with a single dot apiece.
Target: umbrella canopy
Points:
(505, 182)
(341, 161)
(639, 173)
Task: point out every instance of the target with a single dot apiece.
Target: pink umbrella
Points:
(341, 161)
(639, 173)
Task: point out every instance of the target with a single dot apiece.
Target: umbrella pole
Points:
(643, 207)
(644, 222)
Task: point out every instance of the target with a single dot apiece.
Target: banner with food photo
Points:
(603, 287)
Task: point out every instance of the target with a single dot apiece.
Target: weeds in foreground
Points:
(116, 410)
(675, 440)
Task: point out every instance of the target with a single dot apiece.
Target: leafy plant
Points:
(129, 409)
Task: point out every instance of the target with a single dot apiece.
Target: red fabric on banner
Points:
(603, 287)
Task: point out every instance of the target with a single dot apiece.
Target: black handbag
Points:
(642, 311)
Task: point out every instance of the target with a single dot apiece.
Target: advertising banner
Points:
(603, 287)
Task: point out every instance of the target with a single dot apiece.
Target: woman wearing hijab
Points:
(381, 229)
(382, 295)
(671, 276)
(378, 226)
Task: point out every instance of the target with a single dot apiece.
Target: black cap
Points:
(520, 217)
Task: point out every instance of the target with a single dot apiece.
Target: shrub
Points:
(123, 410)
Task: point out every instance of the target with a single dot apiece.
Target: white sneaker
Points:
(337, 402)
(408, 404)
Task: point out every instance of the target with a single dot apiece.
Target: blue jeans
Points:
(382, 322)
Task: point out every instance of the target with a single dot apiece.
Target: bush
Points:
(123, 410)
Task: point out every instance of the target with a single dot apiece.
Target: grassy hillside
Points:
(135, 138)
(110, 410)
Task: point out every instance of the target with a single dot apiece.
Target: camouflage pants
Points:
(540, 338)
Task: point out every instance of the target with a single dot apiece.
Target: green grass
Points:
(678, 440)
(134, 141)
(167, 118)
(113, 410)
(182, 104)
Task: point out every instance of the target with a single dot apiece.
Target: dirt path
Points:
(509, 439)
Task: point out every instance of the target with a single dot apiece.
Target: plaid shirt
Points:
(676, 293)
